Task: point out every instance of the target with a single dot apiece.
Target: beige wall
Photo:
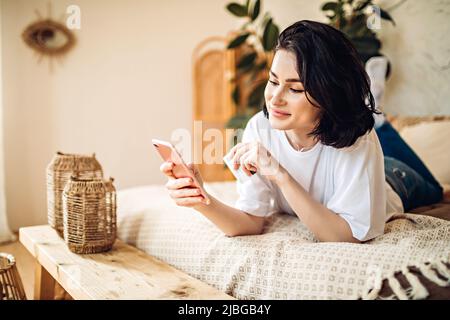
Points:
(129, 79)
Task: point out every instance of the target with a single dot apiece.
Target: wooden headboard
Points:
(213, 67)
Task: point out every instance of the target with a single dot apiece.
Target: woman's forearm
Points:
(232, 221)
(324, 223)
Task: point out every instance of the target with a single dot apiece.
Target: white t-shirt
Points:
(349, 181)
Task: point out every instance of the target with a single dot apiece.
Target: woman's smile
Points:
(279, 113)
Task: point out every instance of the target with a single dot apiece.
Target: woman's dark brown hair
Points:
(331, 73)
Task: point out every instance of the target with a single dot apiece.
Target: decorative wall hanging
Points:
(48, 38)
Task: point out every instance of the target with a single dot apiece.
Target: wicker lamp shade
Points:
(89, 215)
(11, 287)
(60, 169)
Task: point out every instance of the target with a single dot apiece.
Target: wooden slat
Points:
(44, 287)
(122, 273)
(213, 67)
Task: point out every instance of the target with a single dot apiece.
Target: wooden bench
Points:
(122, 273)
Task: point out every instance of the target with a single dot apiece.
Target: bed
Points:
(285, 262)
(410, 261)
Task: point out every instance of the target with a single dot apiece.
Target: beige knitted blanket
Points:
(285, 262)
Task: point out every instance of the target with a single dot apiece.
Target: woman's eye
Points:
(292, 90)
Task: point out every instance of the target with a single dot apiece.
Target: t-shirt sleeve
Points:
(256, 193)
(360, 194)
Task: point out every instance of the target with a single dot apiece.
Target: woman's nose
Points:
(277, 99)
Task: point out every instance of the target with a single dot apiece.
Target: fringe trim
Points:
(431, 274)
(397, 288)
(434, 271)
(417, 290)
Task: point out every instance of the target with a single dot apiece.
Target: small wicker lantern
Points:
(89, 215)
(59, 170)
(11, 287)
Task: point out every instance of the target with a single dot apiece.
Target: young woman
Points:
(315, 151)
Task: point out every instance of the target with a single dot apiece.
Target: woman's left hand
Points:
(254, 157)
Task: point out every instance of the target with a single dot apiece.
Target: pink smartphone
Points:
(168, 153)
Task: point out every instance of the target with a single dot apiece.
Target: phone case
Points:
(168, 153)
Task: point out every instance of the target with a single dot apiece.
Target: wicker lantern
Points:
(59, 170)
(11, 287)
(89, 207)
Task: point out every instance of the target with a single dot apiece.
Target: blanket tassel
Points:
(417, 289)
(397, 288)
(430, 270)
(443, 270)
(431, 275)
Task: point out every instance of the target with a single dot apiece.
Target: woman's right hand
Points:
(182, 190)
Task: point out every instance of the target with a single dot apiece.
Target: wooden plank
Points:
(44, 285)
(122, 273)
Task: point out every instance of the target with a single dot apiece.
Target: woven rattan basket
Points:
(60, 169)
(89, 215)
(11, 287)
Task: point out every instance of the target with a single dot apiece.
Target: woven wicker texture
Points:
(89, 215)
(11, 287)
(60, 169)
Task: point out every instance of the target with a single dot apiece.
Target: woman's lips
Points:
(279, 114)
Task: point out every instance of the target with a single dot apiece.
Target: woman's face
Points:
(285, 96)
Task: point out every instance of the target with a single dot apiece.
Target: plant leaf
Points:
(256, 96)
(238, 121)
(366, 45)
(270, 36)
(236, 42)
(237, 9)
(329, 6)
(236, 95)
(362, 5)
(247, 60)
(356, 27)
(260, 66)
(255, 10)
(386, 16)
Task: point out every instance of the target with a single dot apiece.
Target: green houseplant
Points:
(352, 17)
(256, 40)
